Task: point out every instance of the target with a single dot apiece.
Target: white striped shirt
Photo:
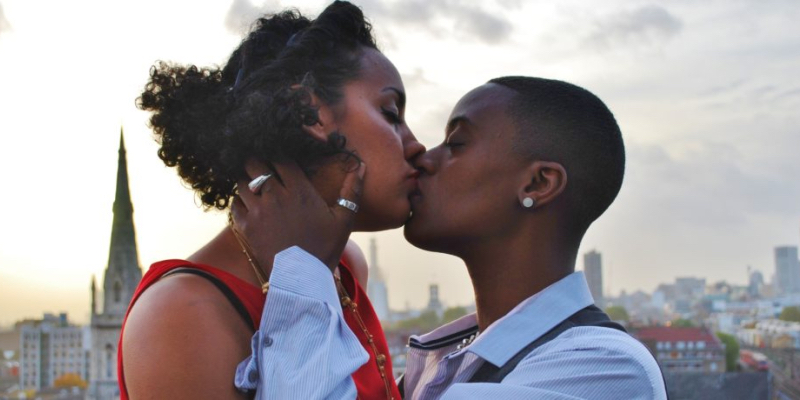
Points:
(582, 363)
(305, 350)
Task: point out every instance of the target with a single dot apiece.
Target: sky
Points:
(706, 94)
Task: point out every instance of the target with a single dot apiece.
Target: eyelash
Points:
(449, 144)
(393, 117)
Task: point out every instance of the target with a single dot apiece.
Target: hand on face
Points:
(372, 117)
(292, 213)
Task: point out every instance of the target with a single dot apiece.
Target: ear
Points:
(544, 181)
(325, 117)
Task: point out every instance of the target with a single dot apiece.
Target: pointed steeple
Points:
(123, 207)
(123, 272)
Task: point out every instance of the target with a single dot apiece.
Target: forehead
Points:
(486, 107)
(377, 70)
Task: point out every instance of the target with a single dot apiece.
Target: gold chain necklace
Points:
(246, 250)
(379, 358)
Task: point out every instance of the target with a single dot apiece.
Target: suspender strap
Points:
(232, 298)
(589, 316)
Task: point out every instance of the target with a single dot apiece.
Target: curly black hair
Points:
(210, 121)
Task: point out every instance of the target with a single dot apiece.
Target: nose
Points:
(425, 162)
(412, 148)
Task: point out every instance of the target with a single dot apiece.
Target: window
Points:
(117, 292)
(701, 345)
(109, 358)
(681, 345)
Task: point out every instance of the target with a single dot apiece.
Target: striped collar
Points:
(529, 320)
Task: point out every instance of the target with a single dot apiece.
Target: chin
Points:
(368, 220)
(416, 234)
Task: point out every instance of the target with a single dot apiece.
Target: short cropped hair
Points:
(561, 122)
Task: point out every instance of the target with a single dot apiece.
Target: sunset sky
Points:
(706, 93)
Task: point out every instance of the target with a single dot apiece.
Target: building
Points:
(50, 348)
(376, 286)
(434, 304)
(122, 275)
(755, 284)
(593, 270)
(9, 342)
(681, 350)
(787, 270)
(771, 333)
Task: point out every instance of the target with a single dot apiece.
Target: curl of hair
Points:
(210, 121)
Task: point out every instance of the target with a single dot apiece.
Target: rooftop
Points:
(669, 334)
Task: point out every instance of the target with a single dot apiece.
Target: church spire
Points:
(123, 208)
(123, 272)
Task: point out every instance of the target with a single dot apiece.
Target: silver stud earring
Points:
(528, 202)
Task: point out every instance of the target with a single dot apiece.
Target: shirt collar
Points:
(532, 318)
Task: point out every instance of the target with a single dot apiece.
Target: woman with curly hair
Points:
(298, 98)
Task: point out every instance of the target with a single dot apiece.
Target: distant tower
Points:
(122, 275)
(376, 286)
(756, 281)
(434, 304)
(787, 270)
(593, 270)
(94, 296)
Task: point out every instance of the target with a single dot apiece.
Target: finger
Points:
(247, 198)
(238, 212)
(351, 190)
(299, 188)
(255, 168)
(290, 172)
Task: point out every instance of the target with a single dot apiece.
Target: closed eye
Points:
(392, 116)
(452, 143)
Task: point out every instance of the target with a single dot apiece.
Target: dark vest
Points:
(589, 316)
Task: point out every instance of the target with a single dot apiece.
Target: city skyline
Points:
(706, 103)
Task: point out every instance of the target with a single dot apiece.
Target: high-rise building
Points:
(50, 348)
(122, 275)
(787, 270)
(376, 286)
(755, 283)
(593, 270)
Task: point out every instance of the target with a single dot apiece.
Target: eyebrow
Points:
(459, 119)
(401, 96)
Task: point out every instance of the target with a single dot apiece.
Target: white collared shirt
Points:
(582, 363)
(304, 348)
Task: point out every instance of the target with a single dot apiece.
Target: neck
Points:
(224, 252)
(507, 272)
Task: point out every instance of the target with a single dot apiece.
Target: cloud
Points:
(243, 13)
(4, 24)
(647, 26)
(461, 18)
(708, 186)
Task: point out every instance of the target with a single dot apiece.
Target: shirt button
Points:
(253, 376)
(267, 341)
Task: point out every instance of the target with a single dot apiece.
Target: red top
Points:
(367, 379)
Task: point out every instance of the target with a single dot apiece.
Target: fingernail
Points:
(362, 170)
